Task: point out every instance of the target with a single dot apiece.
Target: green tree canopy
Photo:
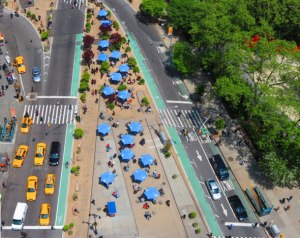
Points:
(153, 8)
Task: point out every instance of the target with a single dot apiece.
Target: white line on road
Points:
(224, 210)
(198, 155)
(179, 102)
(59, 97)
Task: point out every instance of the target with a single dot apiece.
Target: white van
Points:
(19, 216)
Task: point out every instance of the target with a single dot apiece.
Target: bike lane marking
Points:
(64, 179)
(76, 65)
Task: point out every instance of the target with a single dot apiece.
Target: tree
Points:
(115, 38)
(180, 14)
(88, 55)
(78, 133)
(277, 171)
(88, 40)
(104, 67)
(183, 60)
(153, 8)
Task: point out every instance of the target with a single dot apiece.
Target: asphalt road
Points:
(55, 82)
(149, 40)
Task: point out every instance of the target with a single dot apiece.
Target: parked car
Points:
(219, 167)
(54, 153)
(36, 74)
(238, 208)
(213, 189)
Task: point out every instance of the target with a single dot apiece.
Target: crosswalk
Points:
(51, 114)
(187, 119)
(79, 4)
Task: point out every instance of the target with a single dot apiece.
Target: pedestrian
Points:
(33, 139)
(276, 208)
(289, 198)
(97, 100)
(168, 202)
(93, 202)
(179, 114)
(230, 226)
(4, 185)
(41, 118)
(183, 216)
(287, 208)
(67, 165)
(2, 87)
(57, 103)
(210, 235)
(32, 89)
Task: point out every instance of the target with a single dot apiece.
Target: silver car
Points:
(213, 189)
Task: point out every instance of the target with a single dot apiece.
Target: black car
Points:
(238, 208)
(54, 153)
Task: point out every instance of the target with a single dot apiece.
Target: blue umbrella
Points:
(102, 57)
(103, 43)
(124, 95)
(104, 128)
(107, 91)
(151, 193)
(135, 127)
(115, 54)
(127, 154)
(146, 160)
(127, 139)
(139, 175)
(116, 77)
(106, 23)
(102, 13)
(107, 178)
(124, 68)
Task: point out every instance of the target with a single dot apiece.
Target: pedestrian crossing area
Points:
(79, 4)
(237, 237)
(52, 114)
(187, 118)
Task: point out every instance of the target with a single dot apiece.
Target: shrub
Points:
(89, 15)
(168, 146)
(104, 67)
(174, 176)
(123, 41)
(105, 28)
(78, 133)
(33, 17)
(28, 14)
(83, 86)
(44, 35)
(88, 27)
(65, 228)
(101, 89)
(78, 150)
(108, 14)
(115, 38)
(199, 90)
(116, 25)
(192, 215)
(220, 123)
(104, 37)
(70, 232)
(122, 87)
(83, 97)
(88, 55)
(73, 170)
(74, 197)
(195, 224)
(145, 101)
(198, 231)
(136, 69)
(141, 82)
(167, 154)
(71, 225)
(85, 77)
(88, 40)
(128, 49)
(111, 105)
(131, 62)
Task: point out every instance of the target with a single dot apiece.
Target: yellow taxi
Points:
(32, 185)
(19, 63)
(25, 125)
(20, 156)
(45, 214)
(50, 184)
(39, 154)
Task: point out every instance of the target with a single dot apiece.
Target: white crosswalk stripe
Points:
(45, 114)
(188, 118)
(79, 4)
(237, 237)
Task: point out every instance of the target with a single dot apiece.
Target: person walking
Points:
(57, 103)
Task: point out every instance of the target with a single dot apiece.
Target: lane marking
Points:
(56, 97)
(179, 102)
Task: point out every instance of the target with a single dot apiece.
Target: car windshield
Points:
(44, 216)
(215, 191)
(240, 209)
(39, 155)
(48, 185)
(31, 190)
(18, 157)
(17, 222)
(24, 125)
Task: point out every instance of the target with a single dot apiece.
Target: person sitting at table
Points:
(146, 206)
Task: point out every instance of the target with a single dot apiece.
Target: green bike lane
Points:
(68, 145)
(187, 166)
